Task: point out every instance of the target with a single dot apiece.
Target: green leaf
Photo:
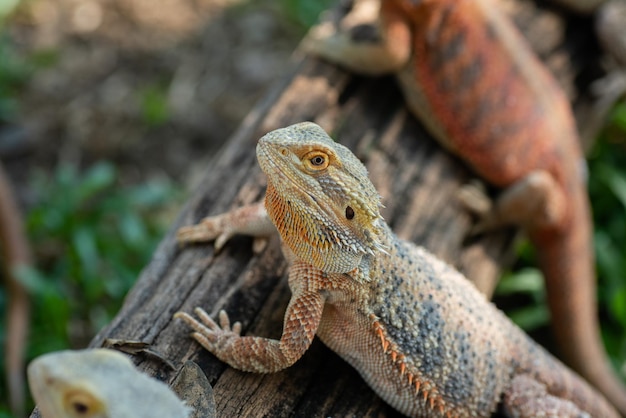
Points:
(32, 279)
(618, 306)
(527, 280)
(98, 178)
(531, 317)
(154, 107)
(132, 229)
(84, 243)
(618, 116)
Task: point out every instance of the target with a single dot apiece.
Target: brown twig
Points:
(15, 252)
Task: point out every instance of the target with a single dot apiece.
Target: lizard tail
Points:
(567, 261)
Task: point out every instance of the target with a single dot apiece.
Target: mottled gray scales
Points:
(456, 386)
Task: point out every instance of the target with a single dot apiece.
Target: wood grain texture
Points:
(418, 182)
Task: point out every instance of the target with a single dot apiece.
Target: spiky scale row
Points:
(428, 391)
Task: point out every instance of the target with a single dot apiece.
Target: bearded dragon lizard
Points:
(470, 77)
(99, 383)
(418, 332)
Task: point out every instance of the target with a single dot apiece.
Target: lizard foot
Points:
(357, 41)
(249, 220)
(211, 335)
(534, 201)
(209, 229)
(473, 197)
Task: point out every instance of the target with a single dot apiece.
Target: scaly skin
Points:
(472, 79)
(418, 332)
(99, 383)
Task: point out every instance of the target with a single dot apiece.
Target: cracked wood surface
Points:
(418, 182)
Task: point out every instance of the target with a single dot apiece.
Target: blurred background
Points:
(110, 108)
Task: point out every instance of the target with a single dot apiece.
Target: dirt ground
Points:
(155, 87)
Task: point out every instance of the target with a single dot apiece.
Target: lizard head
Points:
(320, 198)
(98, 383)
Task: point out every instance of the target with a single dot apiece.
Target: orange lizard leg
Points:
(247, 220)
(536, 200)
(360, 43)
(258, 354)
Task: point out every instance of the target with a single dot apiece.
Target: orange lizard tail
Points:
(566, 258)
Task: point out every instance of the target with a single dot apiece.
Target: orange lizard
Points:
(472, 79)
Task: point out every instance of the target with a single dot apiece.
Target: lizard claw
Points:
(207, 332)
(474, 198)
(225, 323)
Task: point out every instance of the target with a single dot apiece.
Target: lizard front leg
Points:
(258, 354)
(361, 42)
(247, 220)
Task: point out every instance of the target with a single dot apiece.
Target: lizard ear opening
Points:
(349, 213)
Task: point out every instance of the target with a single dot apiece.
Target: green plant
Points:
(91, 238)
(607, 190)
(154, 107)
(304, 12)
(14, 73)
(6, 7)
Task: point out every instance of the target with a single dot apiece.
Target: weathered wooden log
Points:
(419, 183)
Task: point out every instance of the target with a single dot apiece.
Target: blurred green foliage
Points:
(91, 238)
(14, 73)
(154, 108)
(607, 190)
(6, 7)
(304, 12)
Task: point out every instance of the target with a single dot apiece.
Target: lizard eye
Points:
(349, 213)
(316, 160)
(79, 404)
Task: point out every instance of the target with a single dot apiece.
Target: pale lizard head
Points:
(320, 198)
(99, 383)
